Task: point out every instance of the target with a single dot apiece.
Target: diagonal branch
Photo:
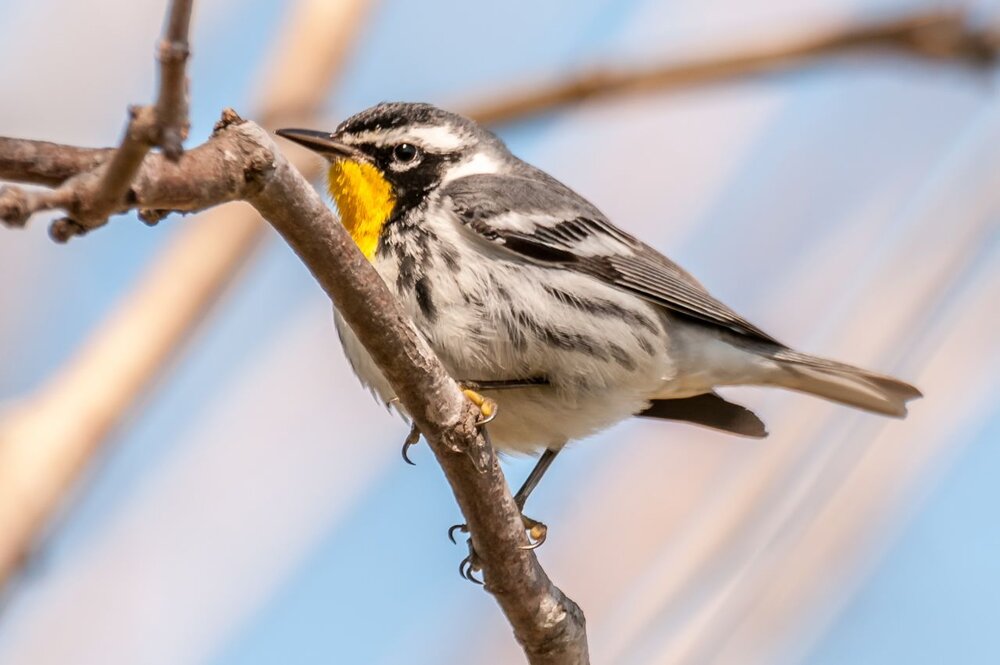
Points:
(241, 162)
(934, 35)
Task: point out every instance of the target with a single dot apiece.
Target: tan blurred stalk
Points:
(46, 441)
(934, 34)
(781, 535)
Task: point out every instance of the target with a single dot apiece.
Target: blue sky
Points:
(787, 194)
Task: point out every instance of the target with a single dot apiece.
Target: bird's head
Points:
(385, 160)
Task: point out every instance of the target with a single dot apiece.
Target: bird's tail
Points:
(843, 383)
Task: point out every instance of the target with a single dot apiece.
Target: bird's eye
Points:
(405, 152)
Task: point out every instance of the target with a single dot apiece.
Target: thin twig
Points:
(165, 124)
(171, 109)
(90, 206)
(935, 35)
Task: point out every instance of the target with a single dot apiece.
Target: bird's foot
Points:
(487, 406)
(535, 530)
(471, 565)
(487, 412)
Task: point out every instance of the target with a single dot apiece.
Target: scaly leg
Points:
(537, 531)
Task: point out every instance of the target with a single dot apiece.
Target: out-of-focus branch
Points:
(935, 35)
(548, 625)
(47, 439)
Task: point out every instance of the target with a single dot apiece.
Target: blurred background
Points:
(242, 500)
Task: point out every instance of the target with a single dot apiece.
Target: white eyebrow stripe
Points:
(431, 137)
(478, 164)
(442, 138)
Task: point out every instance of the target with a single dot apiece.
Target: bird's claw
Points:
(412, 439)
(487, 406)
(470, 565)
(536, 532)
(487, 412)
(457, 527)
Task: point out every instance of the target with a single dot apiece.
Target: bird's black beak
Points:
(322, 143)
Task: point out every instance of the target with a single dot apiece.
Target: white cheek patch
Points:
(478, 164)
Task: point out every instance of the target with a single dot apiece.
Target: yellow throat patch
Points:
(364, 199)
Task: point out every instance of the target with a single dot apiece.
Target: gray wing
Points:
(542, 220)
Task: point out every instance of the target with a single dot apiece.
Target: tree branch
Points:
(934, 35)
(158, 185)
(44, 163)
(240, 161)
(171, 110)
(549, 625)
(99, 193)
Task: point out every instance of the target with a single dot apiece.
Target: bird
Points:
(556, 322)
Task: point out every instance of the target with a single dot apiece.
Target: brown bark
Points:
(549, 625)
(91, 184)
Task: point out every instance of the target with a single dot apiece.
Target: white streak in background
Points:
(74, 73)
(780, 620)
(216, 527)
(946, 323)
(745, 537)
(638, 151)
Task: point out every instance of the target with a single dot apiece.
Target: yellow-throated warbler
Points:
(529, 294)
